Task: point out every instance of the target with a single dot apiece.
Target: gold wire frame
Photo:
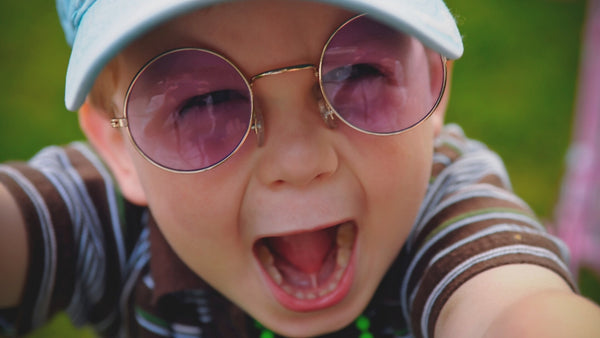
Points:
(328, 113)
(331, 112)
(123, 122)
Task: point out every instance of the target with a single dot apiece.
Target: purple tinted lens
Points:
(378, 79)
(189, 110)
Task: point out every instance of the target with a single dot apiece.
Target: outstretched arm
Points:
(62, 245)
(519, 300)
(13, 250)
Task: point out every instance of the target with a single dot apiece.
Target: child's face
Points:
(306, 179)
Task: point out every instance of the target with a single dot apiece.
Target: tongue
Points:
(305, 251)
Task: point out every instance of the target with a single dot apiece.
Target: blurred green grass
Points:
(33, 59)
(514, 89)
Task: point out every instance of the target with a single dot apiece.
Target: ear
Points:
(440, 112)
(111, 145)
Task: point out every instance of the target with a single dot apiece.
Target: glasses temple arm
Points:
(118, 123)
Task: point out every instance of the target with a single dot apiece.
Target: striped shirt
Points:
(103, 261)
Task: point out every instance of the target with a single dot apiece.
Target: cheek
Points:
(199, 221)
(187, 205)
(396, 173)
(397, 168)
(401, 185)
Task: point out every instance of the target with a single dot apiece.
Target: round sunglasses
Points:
(190, 109)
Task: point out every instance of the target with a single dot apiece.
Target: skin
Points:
(305, 175)
(13, 250)
(527, 301)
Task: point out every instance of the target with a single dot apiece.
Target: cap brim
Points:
(110, 25)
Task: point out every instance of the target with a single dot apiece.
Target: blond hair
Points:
(103, 90)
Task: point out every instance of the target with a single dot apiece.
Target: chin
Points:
(315, 323)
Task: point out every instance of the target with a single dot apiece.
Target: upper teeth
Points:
(345, 236)
(265, 256)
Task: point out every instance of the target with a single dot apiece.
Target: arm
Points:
(13, 250)
(481, 255)
(518, 300)
(61, 238)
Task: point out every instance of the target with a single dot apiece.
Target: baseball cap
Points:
(97, 30)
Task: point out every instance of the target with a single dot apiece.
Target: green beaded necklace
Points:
(362, 324)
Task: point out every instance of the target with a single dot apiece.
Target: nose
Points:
(298, 147)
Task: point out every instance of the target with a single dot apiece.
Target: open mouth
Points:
(310, 270)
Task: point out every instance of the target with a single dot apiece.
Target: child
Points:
(273, 166)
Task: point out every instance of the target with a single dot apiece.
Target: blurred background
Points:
(514, 89)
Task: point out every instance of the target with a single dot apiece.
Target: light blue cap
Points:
(97, 30)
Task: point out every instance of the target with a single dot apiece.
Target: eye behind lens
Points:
(188, 110)
(377, 79)
(352, 72)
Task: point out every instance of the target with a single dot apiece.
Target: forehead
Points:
(276, 32)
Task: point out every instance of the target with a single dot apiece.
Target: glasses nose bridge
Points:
(305, 66)
(257, 119)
